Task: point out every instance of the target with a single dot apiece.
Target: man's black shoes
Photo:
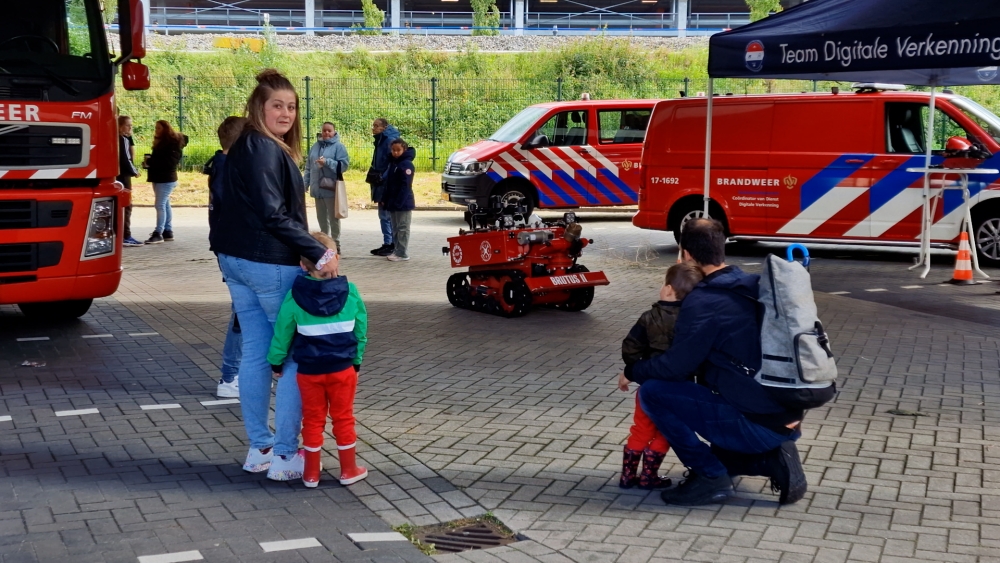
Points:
(787, 476)
(384, 250)
(697, 490)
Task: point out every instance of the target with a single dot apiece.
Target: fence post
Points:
(559, 82)
(814, 85)
(309, 137)
(687, 86)
(180, 103)
(434, 124)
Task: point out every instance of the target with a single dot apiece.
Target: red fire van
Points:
(823, 167)
(562, 154)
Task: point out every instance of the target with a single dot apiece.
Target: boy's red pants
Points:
(642, 435)
(333, 394)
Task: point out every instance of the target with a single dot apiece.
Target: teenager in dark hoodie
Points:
(325, 315)
(398, 199)
(718, 329)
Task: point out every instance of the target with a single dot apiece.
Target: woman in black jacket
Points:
(259, 235)
(161, 167)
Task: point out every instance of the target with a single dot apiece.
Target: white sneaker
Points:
(258, 460)
(394, 258)
(229, 390)
(287, 469)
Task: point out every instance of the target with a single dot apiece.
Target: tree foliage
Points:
(374, 18)
(485, 17)
(760, 9)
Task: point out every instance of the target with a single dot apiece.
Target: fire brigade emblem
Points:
(790, 181)
(755, 56)
(626, 165)
(485, 251)
(987, 74)
(456, 254)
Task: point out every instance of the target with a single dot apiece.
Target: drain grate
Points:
(483, 534)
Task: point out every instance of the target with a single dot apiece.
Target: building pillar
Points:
(394, 8)
(682, 18)
(518, 17)
(145, 14)
(310, 15)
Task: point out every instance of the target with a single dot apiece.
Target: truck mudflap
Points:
(543, 284)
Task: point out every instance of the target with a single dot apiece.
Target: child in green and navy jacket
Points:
(331, 322)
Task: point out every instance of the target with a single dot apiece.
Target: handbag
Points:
(374, 177)
(340, 196)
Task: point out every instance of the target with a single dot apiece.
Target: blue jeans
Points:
(232, 350)
(683, 410)
(385, 222)
(164, 215)
(258, 290)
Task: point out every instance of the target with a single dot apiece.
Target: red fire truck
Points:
(824, 167)
(60, 206)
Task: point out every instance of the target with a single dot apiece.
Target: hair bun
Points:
(269, 75)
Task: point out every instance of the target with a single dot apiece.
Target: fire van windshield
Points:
(53, 50)
(982, 116)
(513, 130)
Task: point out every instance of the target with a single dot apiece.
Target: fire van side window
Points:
(565, 129)
(906, 128)
(620, 126)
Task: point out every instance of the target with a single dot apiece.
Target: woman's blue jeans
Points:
(258, 290)
(232, 350)
(164, 215)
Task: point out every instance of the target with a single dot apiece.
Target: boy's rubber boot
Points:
(630, 465)
(650, 478)
(313, 467)
(350, 472)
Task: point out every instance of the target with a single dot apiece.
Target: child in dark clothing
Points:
(651, 336)
(398, 199)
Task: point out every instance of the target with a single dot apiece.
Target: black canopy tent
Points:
(916, 42)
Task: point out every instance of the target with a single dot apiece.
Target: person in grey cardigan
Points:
(324, 159)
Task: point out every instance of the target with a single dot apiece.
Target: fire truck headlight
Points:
(474, 168)
(101, 230)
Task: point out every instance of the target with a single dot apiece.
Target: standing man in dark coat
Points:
(384, 134)
(718, 328)
(127, 171)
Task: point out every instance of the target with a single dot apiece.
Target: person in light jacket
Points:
(326, 158)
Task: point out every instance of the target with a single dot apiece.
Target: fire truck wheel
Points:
(688, 213)
(515, 298)
(509, 191)
(56, 310)
(458, 290)
(581, 298)
(987, 230)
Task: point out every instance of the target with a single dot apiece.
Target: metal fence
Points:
(436, 116)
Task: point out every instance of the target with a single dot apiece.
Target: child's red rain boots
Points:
(313, 467)
(350, 472)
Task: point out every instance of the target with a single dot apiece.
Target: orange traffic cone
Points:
(963, 262)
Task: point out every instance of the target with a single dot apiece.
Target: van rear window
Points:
(619, 126)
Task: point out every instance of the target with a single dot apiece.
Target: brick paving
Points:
(462, 413)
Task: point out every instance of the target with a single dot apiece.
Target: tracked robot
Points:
(516, 262)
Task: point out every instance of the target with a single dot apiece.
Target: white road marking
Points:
(5, 418)
(839, 292)
(159, 407)
(377, 537)
(220, 402)
(911, 286)
(144, 334)
(33, 339)
(877, 289)
(77, 412)
(98, 336)
(286, 545)
(177, 557)
(751, 263)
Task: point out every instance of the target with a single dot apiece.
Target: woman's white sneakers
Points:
(286, 468)
(229, 390)
(258, 460)
(394, 258)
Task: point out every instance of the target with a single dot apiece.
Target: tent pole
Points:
(925, 226)
(708, 144)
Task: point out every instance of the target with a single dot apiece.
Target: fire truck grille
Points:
(29, 257)
(32, 93)
(30, 214)
(455, 168)
(41, 146)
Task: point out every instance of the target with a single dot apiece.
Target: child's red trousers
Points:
(642, 435)
(328, 394)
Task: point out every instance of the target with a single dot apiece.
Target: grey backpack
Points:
(796, 349)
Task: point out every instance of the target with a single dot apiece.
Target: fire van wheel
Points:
(511, 191)
(458, 290)
(688, 214)
(515, 300)
(987, 232)
(56, 310)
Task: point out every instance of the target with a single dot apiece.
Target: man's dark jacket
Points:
(382, 158)
(262, 213)
(718, 328)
